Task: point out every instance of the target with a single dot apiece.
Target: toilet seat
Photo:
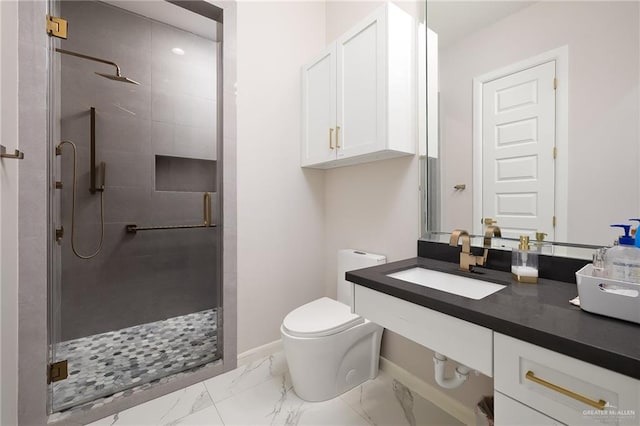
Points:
(322, 317)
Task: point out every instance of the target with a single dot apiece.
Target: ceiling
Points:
(163, 11)
(454, 20)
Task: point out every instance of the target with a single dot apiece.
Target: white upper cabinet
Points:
(319, 108)
(359, 96)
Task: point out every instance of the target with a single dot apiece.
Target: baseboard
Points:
(255, 354)
(431, 393)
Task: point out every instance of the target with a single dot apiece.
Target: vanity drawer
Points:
(564, 388)
(509, 412)
(466, 343)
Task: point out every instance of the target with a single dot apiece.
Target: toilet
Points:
(330, 350)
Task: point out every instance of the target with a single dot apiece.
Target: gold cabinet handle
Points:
(600, 405)
(337, 136)
(330, 138)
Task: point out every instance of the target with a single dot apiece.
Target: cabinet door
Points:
(319, 109)
(361, 87)
(509, 412)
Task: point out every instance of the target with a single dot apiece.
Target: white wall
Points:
(604, 48)
(280, 206)
(291, 221)
(8, 215)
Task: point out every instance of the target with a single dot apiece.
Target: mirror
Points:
(533, 118)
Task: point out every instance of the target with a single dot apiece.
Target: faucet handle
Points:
(455, 237)
(492, 231)
(488, 221)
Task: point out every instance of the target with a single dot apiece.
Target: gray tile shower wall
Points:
(153, 275)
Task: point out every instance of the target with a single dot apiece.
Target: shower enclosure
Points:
(136, 291)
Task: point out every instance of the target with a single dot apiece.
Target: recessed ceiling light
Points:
(177, 51)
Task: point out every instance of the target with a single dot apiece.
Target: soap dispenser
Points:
(622, 262)
(524, 262)
(637, 236)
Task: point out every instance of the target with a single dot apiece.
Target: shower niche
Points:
(184, 174)
(145, 305)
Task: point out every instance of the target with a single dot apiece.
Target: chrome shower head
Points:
(117, 78)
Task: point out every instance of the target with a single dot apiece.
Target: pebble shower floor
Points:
(103, 364)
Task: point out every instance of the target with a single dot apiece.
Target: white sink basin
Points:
(454, 284)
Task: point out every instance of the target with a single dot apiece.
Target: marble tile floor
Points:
(261, 393)
(104, 364)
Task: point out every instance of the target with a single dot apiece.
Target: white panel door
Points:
(361, 82)
(518, 140)
(319, 108)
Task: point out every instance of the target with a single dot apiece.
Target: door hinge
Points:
(57, 371)
(555, 152)
(56, 27)
(59, 234)
(553, 221)
(555, 83)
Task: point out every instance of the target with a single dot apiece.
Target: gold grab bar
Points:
(133, 228)
(207, 208)
(207, 220)
(337, 136)
(330, 138)
(600, 405)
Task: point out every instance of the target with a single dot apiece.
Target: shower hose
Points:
(73, 206)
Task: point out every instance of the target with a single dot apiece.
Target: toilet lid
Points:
(322, 317)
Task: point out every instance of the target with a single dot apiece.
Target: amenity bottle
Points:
(622, 262)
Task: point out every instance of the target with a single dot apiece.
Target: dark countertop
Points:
(536, 313)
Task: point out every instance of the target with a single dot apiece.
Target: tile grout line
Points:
(355, 411)
(248, 370)
(178, 420)
(213, 403)
(218, 411)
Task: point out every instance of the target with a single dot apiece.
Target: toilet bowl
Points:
(330, 350)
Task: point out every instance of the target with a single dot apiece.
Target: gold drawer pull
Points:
(600, 405)
(330, 138)
(337, 136)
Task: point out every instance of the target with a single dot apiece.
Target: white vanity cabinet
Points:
(572, 391)
(532, 385)
(509, 412)
(359, 95)
(467, 343)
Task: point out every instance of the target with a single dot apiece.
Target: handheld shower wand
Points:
(92, 186)
(73, 203)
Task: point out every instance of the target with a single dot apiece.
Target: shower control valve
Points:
(59, 234)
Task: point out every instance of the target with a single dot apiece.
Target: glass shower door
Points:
(135, 292)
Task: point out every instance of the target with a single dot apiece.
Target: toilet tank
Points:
(349, 260)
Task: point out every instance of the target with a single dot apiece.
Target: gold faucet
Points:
(492, 231)
(467, 260)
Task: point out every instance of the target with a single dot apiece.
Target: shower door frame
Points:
(36, 230)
